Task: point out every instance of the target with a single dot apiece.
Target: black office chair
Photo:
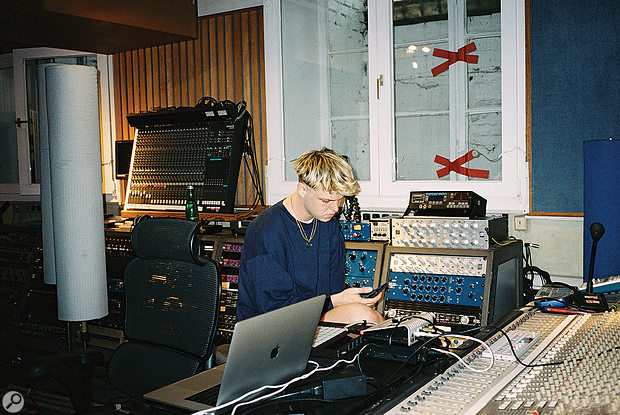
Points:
(172, 302)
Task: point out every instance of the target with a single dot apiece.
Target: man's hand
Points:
(352, 295)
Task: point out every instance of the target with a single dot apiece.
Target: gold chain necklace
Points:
(307, 238)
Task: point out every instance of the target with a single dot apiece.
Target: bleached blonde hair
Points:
(326, 170)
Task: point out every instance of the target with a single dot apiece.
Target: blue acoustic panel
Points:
(575, 83)
(602, 204)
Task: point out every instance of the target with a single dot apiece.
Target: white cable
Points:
(317, 369)
(224, 405)
(279, 388)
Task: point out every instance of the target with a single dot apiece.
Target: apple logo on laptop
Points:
(275, 351)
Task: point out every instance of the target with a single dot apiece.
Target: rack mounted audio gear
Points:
(466, 204)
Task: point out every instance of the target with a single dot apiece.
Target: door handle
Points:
(19, 122)
(379, 85)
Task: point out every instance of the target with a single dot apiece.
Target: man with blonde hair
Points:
(294, 250)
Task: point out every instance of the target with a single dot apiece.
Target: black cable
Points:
(409, 358)
(255, 176)
(287, 399)
(429, 341)
(207, 101)
(421, 365)
(574, 306)
(517, 357)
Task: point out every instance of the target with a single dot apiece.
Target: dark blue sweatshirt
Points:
(278, 269)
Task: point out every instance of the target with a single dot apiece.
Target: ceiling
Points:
(106, 27)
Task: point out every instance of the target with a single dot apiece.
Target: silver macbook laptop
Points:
(268, 349)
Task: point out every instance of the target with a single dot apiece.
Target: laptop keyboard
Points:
(207, 396)
(325, 333)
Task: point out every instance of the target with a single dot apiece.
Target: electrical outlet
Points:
(520, 223)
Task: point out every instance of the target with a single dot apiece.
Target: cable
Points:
(386, 383)
(549, 363)
(575, 306)
(255, 176)
(296, 397)
(207, 101)
(510, 239)
(284, 386)
(279, 388)
(476, 154)
(351, 209)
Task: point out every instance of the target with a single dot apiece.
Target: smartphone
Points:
(375, 292)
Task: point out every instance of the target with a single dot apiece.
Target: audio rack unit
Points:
(29, 307)
(363, 261)
(355, 231)
(380, 229)
(462, 203)
(444, 232)
(228, 255)
(107, 332)
(464, 288)
(175, 148)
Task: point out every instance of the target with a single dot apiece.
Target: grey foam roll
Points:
(76, 193)
(47, 228)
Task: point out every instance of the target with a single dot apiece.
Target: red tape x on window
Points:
(457, 166)
(463, 54)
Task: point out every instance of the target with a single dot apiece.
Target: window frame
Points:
(6, 61)
(511, 195)
(25, 190)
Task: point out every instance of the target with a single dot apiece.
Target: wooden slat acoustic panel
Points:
(225, 62)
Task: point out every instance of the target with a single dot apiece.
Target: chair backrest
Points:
(172, 301)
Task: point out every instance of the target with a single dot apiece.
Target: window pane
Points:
(415, 88)
(483, 16)
(484, 129)
(417, 20)
(348, 84)
(421, 100)
(8, 135)
(458, 108)
(325, 79)
(485, 136)
(347, 22)
(418, 141)
(351, 138)
(32, 103)
(485, 78)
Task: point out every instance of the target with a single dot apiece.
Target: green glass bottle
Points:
(191, 208)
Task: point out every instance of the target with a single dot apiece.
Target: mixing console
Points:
(573, 363)
(168, 158)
